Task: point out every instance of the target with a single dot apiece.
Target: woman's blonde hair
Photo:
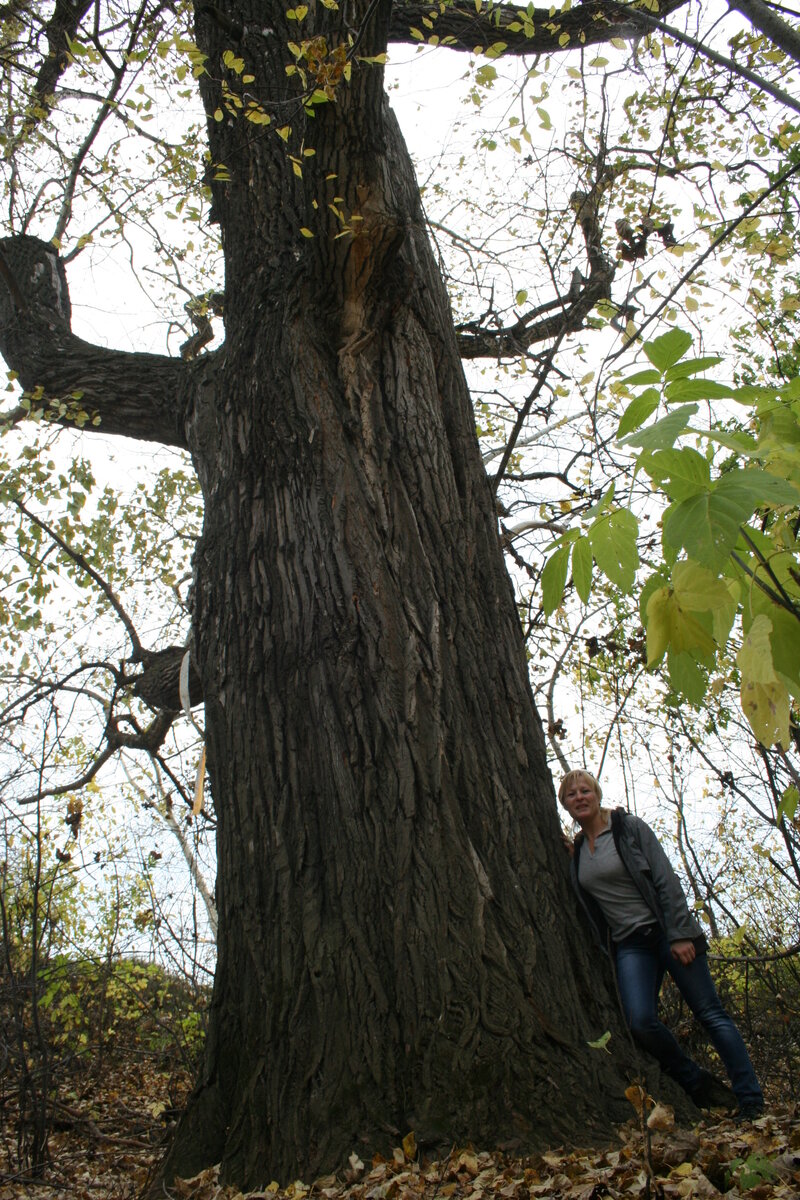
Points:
(577, 776)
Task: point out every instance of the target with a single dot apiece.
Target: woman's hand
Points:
(684, 952)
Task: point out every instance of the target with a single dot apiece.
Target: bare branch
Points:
(722, 60)
(87, 567)
(476, 340)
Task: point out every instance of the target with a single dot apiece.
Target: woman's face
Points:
(580, 800)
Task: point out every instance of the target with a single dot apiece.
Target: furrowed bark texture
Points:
(396, 940)
(398, 947)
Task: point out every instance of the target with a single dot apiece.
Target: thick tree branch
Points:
(137, 395)
(762, 17)
(462, 28)
(60, 29)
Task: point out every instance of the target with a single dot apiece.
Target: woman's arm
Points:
(681, 925)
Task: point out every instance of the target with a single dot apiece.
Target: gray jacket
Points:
(648, 866)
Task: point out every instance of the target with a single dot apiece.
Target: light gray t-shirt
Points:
(604, 877)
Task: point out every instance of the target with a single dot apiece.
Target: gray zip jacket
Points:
(648, 866)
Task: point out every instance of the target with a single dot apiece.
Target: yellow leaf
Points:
(766, 706)
(410, 1146)
(601, 1043)
(668, 624)
(306, 232)
(637, 1096)
(755, 657)
(698, 589)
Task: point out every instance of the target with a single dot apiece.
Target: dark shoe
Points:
(711, 1092)
(750, 1111)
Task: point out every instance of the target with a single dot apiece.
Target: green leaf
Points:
(707, 525)
(605, 499)
(691, 366)
(664, 351)
(784, 639)
(646, 376)
(737, 440)
(652, 585)
(638, 411)
(679, 473)
(613, 540)
(698, 589)
(722, 618)
(686, 676)
(683, 390)
(787, 808)
(663, 433)
(554, 578)
(753, 486)
(582, 567)
(602, 1042)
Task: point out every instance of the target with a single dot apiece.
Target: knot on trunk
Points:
(35, 281)
(159, 683)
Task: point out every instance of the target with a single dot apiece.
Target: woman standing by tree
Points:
(638, 910)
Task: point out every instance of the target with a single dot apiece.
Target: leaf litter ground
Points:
(108, 1139)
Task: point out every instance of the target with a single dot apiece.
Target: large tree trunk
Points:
(397, 946)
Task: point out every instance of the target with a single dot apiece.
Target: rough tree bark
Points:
(397, 943)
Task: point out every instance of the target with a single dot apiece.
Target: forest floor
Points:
(108, 1133)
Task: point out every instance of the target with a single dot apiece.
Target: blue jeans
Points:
(641, 960)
